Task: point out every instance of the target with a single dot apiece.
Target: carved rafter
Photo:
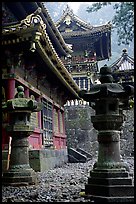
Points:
(31, 20)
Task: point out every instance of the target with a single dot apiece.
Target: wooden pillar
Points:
(11, 84)
(27, 92)
(10, 93)
(11, 89)
(53, 118)
(63, 121)
(39, 114)
(60, 145)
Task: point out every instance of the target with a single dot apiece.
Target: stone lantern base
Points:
(19, 177)
(110, 186)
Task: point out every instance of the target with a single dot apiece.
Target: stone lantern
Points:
(20, 128)
(109, 180)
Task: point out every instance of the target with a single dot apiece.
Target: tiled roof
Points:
(124, 63)
(94, 31)
(22, 9)
(88, 29)
(69, 12)
(57, 33)
(33, 28)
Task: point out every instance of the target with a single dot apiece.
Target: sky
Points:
(75, 5)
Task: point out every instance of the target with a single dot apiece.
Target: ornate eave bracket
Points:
(31, 20)
(34, 18)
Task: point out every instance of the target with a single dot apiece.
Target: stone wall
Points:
(80, 131)
(45, 159)
(127, 134)
(41, 160)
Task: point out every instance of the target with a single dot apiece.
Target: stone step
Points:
(75, 156)
(82, 151)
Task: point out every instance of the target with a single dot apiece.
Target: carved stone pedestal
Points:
(109, 180)
(20, 172)
(20, 128)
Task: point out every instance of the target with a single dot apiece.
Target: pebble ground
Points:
(62, 184)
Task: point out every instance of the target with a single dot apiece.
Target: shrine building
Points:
(123, 69)
(32, 48)
(90, 45)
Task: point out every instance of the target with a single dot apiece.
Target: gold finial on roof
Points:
(68, 10)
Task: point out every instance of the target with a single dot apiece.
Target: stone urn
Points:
(109, 180)
(20, 128)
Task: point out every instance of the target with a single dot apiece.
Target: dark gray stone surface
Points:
(80, 131)
(62, 184)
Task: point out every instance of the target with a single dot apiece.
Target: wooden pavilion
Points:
(90, 44)
(123, 69)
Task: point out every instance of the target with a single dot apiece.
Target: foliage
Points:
(123, 19)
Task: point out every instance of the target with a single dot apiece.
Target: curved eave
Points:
(54, 32)
(66, 80)
(120, 61)
(86, 33)
(58, 69)
(38, 33)
(22, 9)
(69, 12)
(81, 22)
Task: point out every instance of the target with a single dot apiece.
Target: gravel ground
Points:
(56, 185)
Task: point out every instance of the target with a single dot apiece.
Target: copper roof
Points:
(88, 29)
(124, 63)
(69, 12)
(94, 31)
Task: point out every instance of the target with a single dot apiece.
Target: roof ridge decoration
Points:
(30, 20)
(123, 59)
(125, 56)
(70, 12)
(124, 53)
(34, 18)
(68, 16)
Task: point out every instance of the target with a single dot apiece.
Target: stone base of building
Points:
(41, 160)
(45, 159)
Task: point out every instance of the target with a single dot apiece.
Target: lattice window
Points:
(56, 121)
(47, 123)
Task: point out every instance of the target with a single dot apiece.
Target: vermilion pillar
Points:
(27, 92)
(11, 88)
(10, 93)
(39, 113)
(39, 120)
